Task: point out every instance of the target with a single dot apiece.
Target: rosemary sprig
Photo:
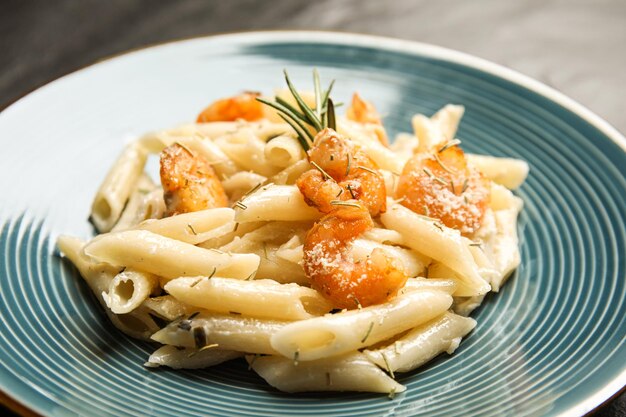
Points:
(344, 203)
(449, 144)
(367, 334)
(303, 118)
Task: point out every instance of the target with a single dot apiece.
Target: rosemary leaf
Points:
(367, 334)
(449, 144)
(320, 169)
(313, 120)
(344, 203)
(330, 115)
(318, 93)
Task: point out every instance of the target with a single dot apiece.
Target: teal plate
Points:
(551, 343)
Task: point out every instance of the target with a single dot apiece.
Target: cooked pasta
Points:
(303, 241)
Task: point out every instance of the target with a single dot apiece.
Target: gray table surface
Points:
(577, 47)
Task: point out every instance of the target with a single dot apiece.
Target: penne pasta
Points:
(228, 332)
(340, 333)
(508, 172)
(423, 343)
(128, 290)
(194, 227)
(351, 372)
(257, 298)
(276, 202)
(117, 187)
(169, 258)
(190, 358)
(437, 242)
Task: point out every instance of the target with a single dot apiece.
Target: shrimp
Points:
(343, 172)
(331, 269)
(244, 106)
(189, 182)
(363, 111)
(440, 184)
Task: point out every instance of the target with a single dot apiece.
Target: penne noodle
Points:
(335, 334)
(508, 172)
(117, 187)
(128, 290)
(169, 258)
(423, 343)
(190, 358)
(194, 227)
(166, 307)
(283, 151)
(229, 332)
(289, 175)
(437, 242)
(276, 202)
(258, 298)
(351, 372)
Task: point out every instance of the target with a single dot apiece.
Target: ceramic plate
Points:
(551, 343)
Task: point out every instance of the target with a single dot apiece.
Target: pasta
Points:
(302, 241)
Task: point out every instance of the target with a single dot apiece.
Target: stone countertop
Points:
(577, 47)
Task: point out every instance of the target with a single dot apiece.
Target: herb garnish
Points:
(304, 119)
(367, 334)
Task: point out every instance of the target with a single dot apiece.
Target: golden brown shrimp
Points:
(189, 182)
(244, 106)
(440, 184)
(343, 172)
(363, 111)
(331, 269)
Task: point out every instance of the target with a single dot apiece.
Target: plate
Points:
(551, 343)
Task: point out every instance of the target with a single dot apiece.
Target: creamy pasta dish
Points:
(308, 244)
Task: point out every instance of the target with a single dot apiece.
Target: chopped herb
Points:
(213, 273)
(426, 211)
(236, 313)
(449, 144)
(351, 192)
(441, 164)
(348, 165)
(193, 315)
(344, 203)
(324, 173)
(332, 157)
(465, 199)
(190, 227)
(195, 352)
(250, 276)
(327, 378)
(340, 192)
(217, 251)
(465, 185)
(441, 181)
(199, 337)
(452, 186)
(438, 226)
(236, 227)
(265, 250)
(367, 334)
(252, 361)
(184, 325)
(387, 365)
(392, 393)
(296, 355)
(428, 172)
(240, 205)
(195, 282)
(356, 301)
(253, 189)
(185, 148)
(367, 169)
(478, 244)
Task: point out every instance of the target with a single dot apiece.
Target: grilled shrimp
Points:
(440, 184)
(244, 106)
(189, 182)
(343, 172)
(363, 111)
(331, 269)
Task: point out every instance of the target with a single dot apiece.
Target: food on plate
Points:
(306, 243)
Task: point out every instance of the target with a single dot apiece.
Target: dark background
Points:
(577, 47)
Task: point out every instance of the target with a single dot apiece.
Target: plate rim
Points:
(611, 389)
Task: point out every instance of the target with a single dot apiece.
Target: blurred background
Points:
(575, 46)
